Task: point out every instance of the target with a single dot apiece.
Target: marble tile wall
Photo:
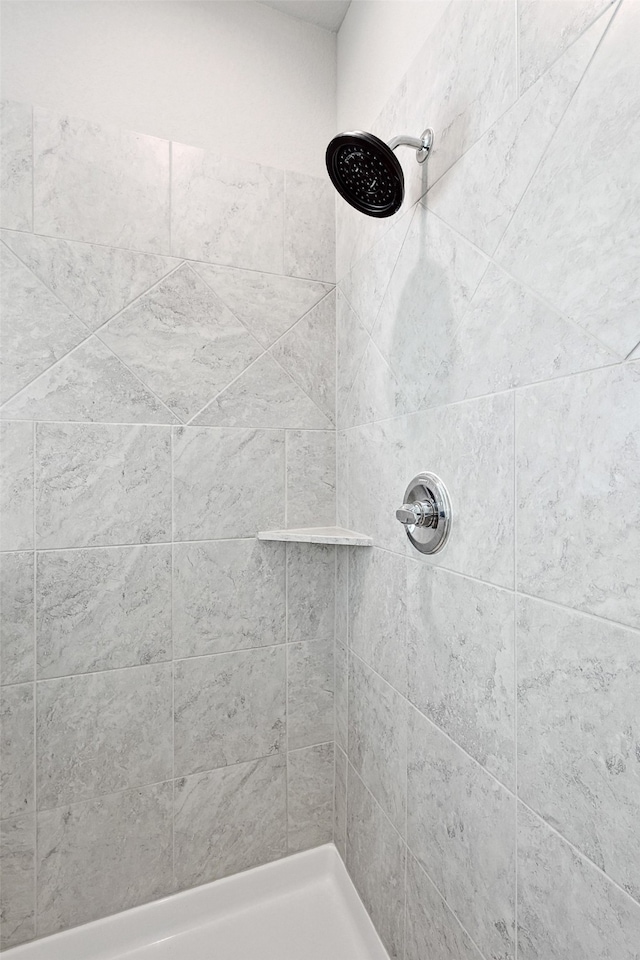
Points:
(487, 726)
(168, 370)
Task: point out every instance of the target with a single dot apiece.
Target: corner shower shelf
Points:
(334, 535)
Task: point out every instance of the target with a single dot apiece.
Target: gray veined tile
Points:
(16, 618)
(16, 165)
(340, 803)
(545, 30)
(230, 820)
(88, 384)
(352, 340)
(310, 775)
(36, 329)
(582, 476)
(376, 394)
(379, 450)
(226, 211)
(102, 856)
(342, 479)
(341, 695)
(307, 353)
(432, 929)
(16, 486)
(212, 578)
(102, 484)
(309, 227)
(480, 192)
(578, 695)
(17, 787)
(100, 184)
(95, 282)
(103, 732)
(182, 342)
(227, 483)
(311, 478)
(635, 355)
(310, 683)
(264, 395)
(229, 708)
(311, 585)
(567, 910)
(267, 304)
(574, 237)
(17, 896)
(104, 608)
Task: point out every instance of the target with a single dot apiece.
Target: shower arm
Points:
(422, 145)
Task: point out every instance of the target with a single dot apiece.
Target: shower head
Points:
(366, 172)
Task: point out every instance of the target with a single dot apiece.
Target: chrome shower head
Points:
(366, 172)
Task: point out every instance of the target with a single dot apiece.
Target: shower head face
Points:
(366, 172)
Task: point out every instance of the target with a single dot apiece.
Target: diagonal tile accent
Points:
(352, 341)
(263, 396)
(376, 393)
(90, 383)
(182, 341)
(95, 282)
(267, 304)
(35, 328)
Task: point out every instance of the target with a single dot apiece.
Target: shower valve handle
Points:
(419, 514)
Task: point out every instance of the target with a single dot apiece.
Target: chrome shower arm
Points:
(422, 145)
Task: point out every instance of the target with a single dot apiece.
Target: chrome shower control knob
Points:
(426, 513)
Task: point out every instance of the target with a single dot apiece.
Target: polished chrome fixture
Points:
(426, 513)
(366, 172)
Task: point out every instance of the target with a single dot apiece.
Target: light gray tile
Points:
(310, 797)
(342, 479)
(103, 732)
(228, 211)
(16, 167)
(37, 329)
(574, 236)
(230, 820)
(310, 693)
(311, 478)
(578, 695)
(311, 591)
(378, 612)
(376, 394)
(342, 595)
(102, 856)
(352, 340)
(567, 910)
(309, 232)
(264, 395)
(16, 486)
(340, 803)
(90, 383)
(227, 483)
(100, 184)
(341, 695)
(95, 282)
(432, 929)
(17, 898)
(267, 304)
(16, 767)
(229, 708)
(308, 353)
(546, 30)
(227, 595)
(101, 609)
(582, 476)
(378, 739)
(376, 863)
(470, 447)
(16, 618)
(102, 484)
(461, 828)
(378, 450)
(461, 654)
(182, 341)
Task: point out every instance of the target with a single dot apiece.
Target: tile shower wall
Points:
(168, 390)
(487, 738)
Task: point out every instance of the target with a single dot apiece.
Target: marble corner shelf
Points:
(334, 535)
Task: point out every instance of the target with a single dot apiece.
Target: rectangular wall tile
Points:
(230, 820)
(432, 929)
(227, 483)
(378, 450)
(103, 856)
(100, 184)
(102, 484)
(16, 168)
(227, 594)
(341, 694)
(103, 608)
(17, 896)
(16, 756)
(229, 708)
(17, 649)
(310, 776)
(311, 478)
(340, 803)
(16, 486)
(461, 828)
(103, 732)
(309, 237)
(310, 685)
(310, 591)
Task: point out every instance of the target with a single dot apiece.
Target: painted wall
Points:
(234, 77)
(487, 777)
